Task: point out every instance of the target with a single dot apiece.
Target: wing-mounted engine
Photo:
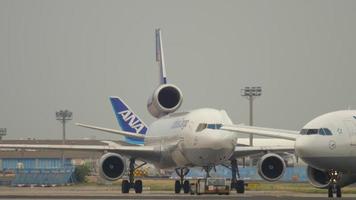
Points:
(112, 166)
(321, 179)
(271, 167)
(166, 99)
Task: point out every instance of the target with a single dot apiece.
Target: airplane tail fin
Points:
(160, 57)
(128, 120)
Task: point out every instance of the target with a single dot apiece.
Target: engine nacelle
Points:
(112, 166)
(166, 99)
(271, 167)
(321, 179)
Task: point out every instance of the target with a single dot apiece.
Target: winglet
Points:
(160, 57)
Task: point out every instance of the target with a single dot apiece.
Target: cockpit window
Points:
(312, 132)
(321, 131)
(203, 126)
(303, 131)
(211, 126)
(309, 131)
(214, 126)
(327, 131)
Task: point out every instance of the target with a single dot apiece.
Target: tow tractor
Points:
(210, 186)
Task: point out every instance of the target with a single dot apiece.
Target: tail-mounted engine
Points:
(112, 166)
(271, 167)
(166, 99)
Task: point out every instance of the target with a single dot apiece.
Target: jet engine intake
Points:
(271, 167)
(321, 179)
(112, 166)
(166, 99)
(318, 178)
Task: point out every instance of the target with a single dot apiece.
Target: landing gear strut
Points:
(207, 170)
(236, 182)
(131, 183)
(334, 188)
(179, 184)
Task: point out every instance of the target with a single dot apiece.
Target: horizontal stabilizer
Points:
(118, 132)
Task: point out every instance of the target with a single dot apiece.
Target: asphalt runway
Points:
(253, 195)
(114, 192)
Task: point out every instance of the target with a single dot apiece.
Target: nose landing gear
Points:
(182, 184)
(334, 187)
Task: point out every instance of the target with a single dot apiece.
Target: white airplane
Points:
(203, 137)
(327, 144)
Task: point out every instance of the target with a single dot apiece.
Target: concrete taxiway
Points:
(55, 193)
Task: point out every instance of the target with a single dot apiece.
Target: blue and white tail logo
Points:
(128, 121)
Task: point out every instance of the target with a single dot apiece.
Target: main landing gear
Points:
(182, 184)
(236, 182)
(334, 188)
(131, 183)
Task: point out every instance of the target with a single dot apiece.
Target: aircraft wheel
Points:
(330, 191)
(138, 186)
(125, 186)
(338, 191)
(186, 186)
(177, 187)
(240, 186)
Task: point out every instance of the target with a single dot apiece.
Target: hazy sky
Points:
(75, 54)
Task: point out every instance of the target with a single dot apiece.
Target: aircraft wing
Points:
(242, 151)
(119, 132)
(110, 146)
(267, 132)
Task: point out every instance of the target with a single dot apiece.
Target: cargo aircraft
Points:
(204, 137)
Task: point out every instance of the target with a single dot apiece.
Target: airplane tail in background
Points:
(128, 120)
(160, 57)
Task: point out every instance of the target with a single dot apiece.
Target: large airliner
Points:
(327, 144)
(178, 140)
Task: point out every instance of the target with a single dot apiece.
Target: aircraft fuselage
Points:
(334, 148)
(192, 139)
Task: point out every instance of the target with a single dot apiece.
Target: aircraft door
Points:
(351, 127)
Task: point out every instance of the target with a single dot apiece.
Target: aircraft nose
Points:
(303, 147)
(217, 140)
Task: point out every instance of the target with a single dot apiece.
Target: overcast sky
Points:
(75, 54)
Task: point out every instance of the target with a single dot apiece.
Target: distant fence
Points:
(33, 163)
(37, 171)
(43, 177)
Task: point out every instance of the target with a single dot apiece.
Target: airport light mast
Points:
(2, 132)
(251, 93)
(63, 116)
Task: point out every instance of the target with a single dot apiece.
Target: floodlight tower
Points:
(251, 93)
(63, 116)
(2, 132)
